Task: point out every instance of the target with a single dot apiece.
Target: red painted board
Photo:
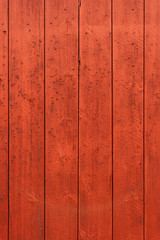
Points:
(95, 130)
(61, 104)
(152, 123)
(26, 107)
(3, 119)
(127, 119)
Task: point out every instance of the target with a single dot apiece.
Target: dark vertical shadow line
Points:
(44, 133)
(112, 104)
(78, 171)
(8, 119)
(143, 119)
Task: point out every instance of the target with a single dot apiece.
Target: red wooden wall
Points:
(79, 120)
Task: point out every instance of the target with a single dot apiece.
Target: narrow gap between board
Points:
(143, 119)
(78, 173)
(44, 134)
(8, 119)
(112, 104)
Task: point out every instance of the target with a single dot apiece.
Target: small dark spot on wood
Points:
(1, 197)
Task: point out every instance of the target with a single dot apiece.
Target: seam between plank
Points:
(8, 118)
(78, 170)
(143, 119)
(112, 106)
(44, 134)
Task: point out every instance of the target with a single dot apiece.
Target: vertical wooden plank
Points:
(152, 123)
(128, 119)
(95, 138)
(3, 119)
(61, 71)
(26, 146)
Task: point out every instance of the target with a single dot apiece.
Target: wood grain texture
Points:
(152, 123)
(61, 68)
(26, 99)
(95, 144)
(79, 119)
(127, 120)
(3, 119)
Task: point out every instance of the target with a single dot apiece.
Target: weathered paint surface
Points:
(128, 119)
(152, 123)
(26, 123)
(3, 119)
(95, 139)
(79, 119)
(61, 75)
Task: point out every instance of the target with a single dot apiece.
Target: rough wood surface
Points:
(61, 75)
(95, 140)
(152, 113)
(3, 119)
(127, 119)
(26, 126)
(79, 119)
